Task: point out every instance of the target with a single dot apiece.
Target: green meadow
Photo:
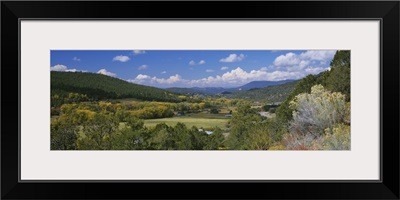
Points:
(201, 120)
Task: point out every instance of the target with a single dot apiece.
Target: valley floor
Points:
(191, 120)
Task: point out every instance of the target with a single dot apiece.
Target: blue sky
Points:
(194, 68)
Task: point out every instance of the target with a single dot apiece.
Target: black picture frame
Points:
(386, 11)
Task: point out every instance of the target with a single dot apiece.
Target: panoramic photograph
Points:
(200, 100)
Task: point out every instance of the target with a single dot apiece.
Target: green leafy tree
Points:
(341, 58)
(134, 123)
(63, 134)
(133, 137)
(183, 137)
(207, 104)
(215, 140)
(99, 131)
(129, 139)
(162, 138)
(241, 123)
(214, 111)
(200, 140)
(338, 79)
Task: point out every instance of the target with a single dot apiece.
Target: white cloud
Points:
(192, 62)
(105, 72)
(163, 72)
(241, 76)
(288, 66)
(232, 58)
(142, 77)
(318, 55)
(306, 62)
(76, 59)
(148, 80)
(137, 52)
(63, 68)
(238, 77)
(232, 78)
(288, 59)
(142, 67)
(303, 59)
(170, 80)
(121, 58)
(75, 70)
(201, 62)
(59, 68)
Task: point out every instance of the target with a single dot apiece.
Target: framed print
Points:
(114, 96)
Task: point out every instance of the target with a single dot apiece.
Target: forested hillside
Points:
(276, 93)
(97, 87)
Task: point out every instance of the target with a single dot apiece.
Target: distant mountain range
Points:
(262, 84)
(98, 87)
(197, 90)
(220, 90)
(274, 93)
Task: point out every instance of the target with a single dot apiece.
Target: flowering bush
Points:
(315, 112)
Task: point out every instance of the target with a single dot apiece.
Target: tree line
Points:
(102, 131)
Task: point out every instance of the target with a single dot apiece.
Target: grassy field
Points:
(205, 115)
(200, 120)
